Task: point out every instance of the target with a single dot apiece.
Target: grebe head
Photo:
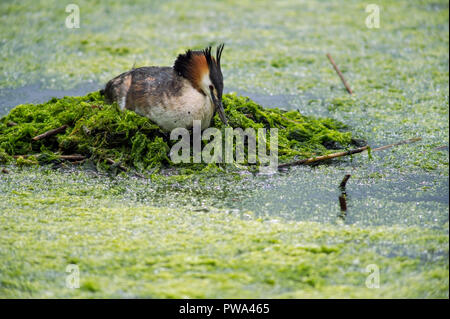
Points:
(205, 74)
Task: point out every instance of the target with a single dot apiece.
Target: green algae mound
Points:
(103, 134)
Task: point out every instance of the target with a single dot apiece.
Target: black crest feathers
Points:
(207, 53)
(210, 59)
(193, 65)
(219, 53)
(183, 62)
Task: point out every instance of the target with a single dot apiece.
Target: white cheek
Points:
(205, 83)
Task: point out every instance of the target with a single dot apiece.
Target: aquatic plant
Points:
(94, 130)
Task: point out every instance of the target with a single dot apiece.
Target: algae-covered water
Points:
(221, 236)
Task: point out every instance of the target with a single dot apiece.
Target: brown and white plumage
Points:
(175, 96)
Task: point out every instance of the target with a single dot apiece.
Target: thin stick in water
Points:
(411, 140)
(346, 153)
(349, 90)
(344, 182)
(324, 157)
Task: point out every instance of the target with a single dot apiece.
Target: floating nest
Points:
(91, 131)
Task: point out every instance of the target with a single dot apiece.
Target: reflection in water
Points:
(343, 204)
(343, 198)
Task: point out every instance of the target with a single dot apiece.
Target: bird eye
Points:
(211, 87)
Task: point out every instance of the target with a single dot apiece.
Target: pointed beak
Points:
(219, 108)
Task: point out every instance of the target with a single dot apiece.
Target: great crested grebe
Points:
(175, 96)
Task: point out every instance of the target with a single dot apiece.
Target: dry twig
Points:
(323, 157)
(349, 90)
(50, 133)
(346, 153)
(411, 140)
(73, 157)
